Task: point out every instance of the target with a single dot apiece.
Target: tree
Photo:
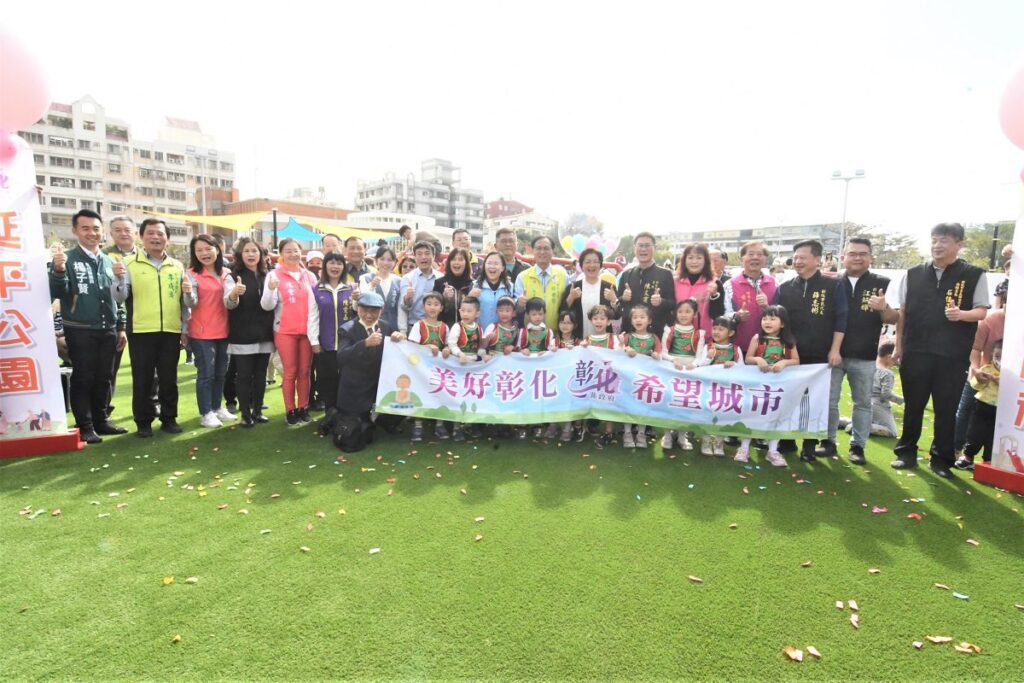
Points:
(979, 240)
(894, 250)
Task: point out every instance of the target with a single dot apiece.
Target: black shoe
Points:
(317, 406)
(964, 463)
(144, 431)
(260, 418)
(264, 407)
(857, 455)
(787, 446)
(941, 470)
(108, 429)
(807, 455)
(171, 427)
(292, 417)
(89, 436)
(304, 415)
(604, 440)
(231, 406)
(246, 422)
(904, 462)
(826, 449)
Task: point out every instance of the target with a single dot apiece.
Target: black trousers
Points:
(326, 364)
(250, 381)
(92, 359)
(230, 378)
(941, 379)
(113, 379)
(981, 431)
(154, 351)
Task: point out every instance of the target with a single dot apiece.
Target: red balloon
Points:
(8, 149)
(24, 95)
(1011, 110)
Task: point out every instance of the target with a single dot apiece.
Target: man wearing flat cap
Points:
(360, 351)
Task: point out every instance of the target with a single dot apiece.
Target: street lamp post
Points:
(838, 175)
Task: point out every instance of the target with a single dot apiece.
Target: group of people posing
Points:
(327, 314)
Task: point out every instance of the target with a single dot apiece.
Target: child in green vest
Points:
(643, 342)
(772, 351)
(567, 338)
(503, 336)
(431, 332)
(535, 338)
(601, 338)
(684, 344)
(466, 341)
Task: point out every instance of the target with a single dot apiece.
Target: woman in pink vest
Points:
(208, 327)
(749, 293)
(694, 280)
(289, 293)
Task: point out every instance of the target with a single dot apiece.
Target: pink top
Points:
(698, 291)
(294, 295)
(209, 319)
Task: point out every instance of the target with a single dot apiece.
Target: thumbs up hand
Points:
(119, 269)
(186, 285)
(408, 295)
(627, 293)
(877, 300)
(761, 300)
(59, 258)
(238, 290)
(656, 298)
(272, 281)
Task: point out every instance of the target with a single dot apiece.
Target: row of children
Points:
(684, 343)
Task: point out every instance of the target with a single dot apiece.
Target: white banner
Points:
(31, 399)
(1008, 449)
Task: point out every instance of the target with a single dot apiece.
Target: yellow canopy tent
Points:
(344, 231)
(239, 222)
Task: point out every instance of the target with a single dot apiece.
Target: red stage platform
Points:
(41, 445)
(1004, 479)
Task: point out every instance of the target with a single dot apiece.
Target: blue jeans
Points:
(211, 366)
(860, 374)
(963, 416)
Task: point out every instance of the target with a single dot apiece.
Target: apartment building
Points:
(86, 159)
(437, 194)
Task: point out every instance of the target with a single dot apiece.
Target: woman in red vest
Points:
(289, 293)
(694, 280)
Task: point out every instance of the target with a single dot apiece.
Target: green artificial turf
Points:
(582, 571)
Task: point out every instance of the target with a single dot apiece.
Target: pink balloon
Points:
(8, 150)
(1011, 110)
(24, 95)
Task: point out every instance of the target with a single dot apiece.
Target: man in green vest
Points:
(543, 280)
(151, 284)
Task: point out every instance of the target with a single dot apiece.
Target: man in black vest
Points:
(941, 303)
(817, 315)
(867, 311)
(646, 283)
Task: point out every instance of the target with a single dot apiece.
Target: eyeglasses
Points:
(858, 254)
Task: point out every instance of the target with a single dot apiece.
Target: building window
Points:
(85, 184)
(59, 219)
(226, 166)
(32, 138)
(146, 191)
(59, 121)
(116, 187)
(84, 165)
(161, 193)
(58, 141)
(89, 204)
(89, 125)
(84, 144)
(176, 195)
(117, 208)
(114, 168)
(62, 162)
(145, 173)
(158, 156)
(176, 159)
(63, 202)
(113, 149)
(39, 159)
(145, 154)
(176, 177)
(40, 180)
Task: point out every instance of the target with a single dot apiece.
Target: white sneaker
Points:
(684, 441)
(210, 420)
(224, 416)
(705, 446)
(552, 431)
(719, 446)
(775, 458)
(627, 438)
(742, 454)
(666, 441)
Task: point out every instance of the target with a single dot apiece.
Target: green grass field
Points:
(581, 572)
